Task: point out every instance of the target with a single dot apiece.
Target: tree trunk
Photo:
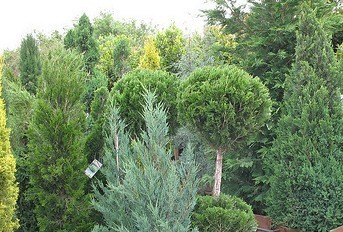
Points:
(176, 153)
(218, 173)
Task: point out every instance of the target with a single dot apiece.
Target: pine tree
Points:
(306, 158)
(56, 144)
(145, 190)
(29, 63)
(150, 59)
(9, 189)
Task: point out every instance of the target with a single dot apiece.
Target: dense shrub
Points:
(127, 94)
(223, 213)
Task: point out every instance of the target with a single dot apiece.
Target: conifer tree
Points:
(145, 190)
(306, 158)
(20, 109)
(94, 142)
(266, 40)
(81, 38)
(171, 46)
(127, 94)
(29, 63)
(150, 59)
(226, 107)
(8, 185)
(56, 144)
(121, 52)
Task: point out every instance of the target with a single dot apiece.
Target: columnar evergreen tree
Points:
(29, 63)
(106, 47)
(94, 142)
(306, 158)
(56, 144)
(20, 106)
(226, 106)
(121, 53)
(150, 58)
(81, 38)
(171, 46)
(9, 188)
(145, 190)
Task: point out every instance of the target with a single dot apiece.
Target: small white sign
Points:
(93, 168)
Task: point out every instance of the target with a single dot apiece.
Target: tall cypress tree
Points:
(56, 144)
(29, 63)
(81, 38)
(8, 189)
(307, 157)
(150, 58)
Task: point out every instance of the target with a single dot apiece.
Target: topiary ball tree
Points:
(223, 213)
(128, 92)
(225, 105)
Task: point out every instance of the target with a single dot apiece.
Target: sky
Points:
(21, 17)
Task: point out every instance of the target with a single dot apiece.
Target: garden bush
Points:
(223, 213)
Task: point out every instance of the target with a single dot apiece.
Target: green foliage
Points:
(127, 93)
(224, 104)
(56, 144)
(306, 157)
(266, 35)
(9, 188)
(81, 38)
(121, 53)
(105, 25)
(48, 43)
(145, 190)
(213, 48)
(106, 60)
(171, 46)
(29, 63)
(266, 38)
(223, 213)
(97, 81)
(95, 142)
(20, 110)
(150, 58)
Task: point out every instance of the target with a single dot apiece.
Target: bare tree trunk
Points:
(218, 173)
(176, 153)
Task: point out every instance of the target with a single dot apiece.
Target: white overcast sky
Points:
(20, 17)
